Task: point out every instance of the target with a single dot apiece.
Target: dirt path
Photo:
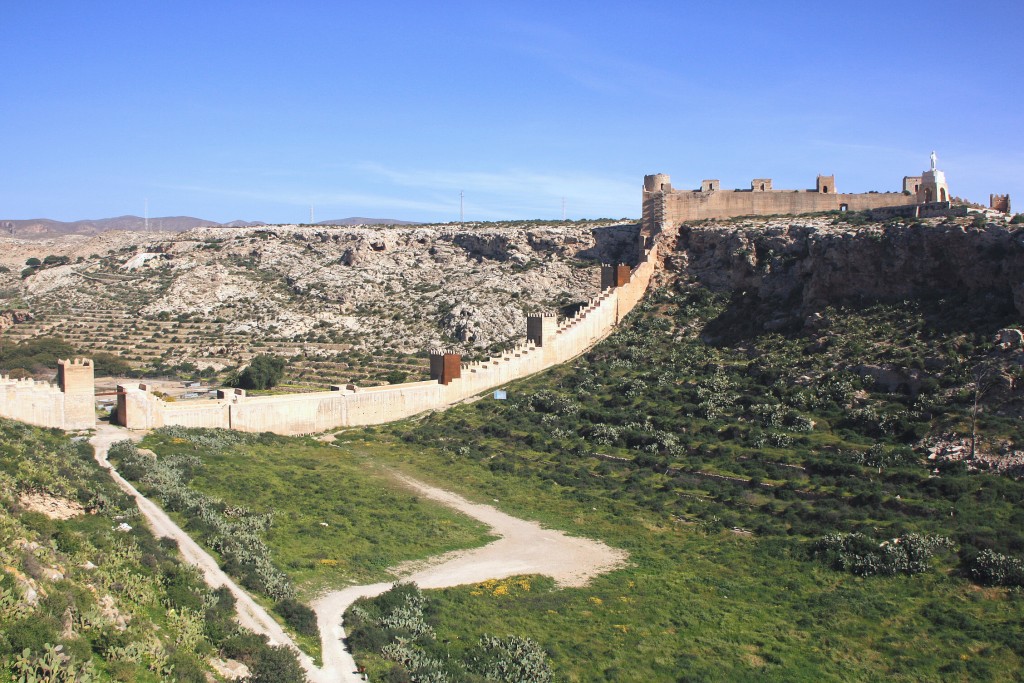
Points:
(250, 614)
(522, 548)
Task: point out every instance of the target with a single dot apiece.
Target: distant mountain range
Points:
(38, 228)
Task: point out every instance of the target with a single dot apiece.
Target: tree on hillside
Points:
(984, 377)
(263, 372)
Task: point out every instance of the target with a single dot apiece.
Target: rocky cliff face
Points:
(806, 264)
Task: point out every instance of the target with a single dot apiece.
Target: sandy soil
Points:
(51, 506)
(522, 548)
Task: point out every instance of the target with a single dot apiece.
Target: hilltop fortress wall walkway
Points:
(548, 343)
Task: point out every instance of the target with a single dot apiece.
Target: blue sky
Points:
(255, 110)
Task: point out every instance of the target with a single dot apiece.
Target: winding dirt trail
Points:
(522, 548)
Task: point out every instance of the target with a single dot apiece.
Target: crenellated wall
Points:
(70, 404)
(549, 343)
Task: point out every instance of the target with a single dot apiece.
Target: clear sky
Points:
(255, 110)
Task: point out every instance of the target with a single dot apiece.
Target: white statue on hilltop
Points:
(934, 159)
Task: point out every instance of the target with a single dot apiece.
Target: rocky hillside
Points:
(215, 296)
(42, 228)
(812, 262)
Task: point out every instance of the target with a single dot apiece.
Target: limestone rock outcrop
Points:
(811, 262)
(11, 318)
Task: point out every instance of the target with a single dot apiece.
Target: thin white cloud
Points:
(432, 194)
(524, 187)
(591, 67)
(354, 199)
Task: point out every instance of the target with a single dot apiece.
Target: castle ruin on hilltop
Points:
(923, 195)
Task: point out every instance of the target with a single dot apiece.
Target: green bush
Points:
(995, 569)
(276, 665)
(298, 616)
(263, 372)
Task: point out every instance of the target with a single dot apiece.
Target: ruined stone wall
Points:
(999, 202)
(353, 406)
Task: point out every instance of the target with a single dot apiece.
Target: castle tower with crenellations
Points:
(614, 275)
(445, 365)
(999, 202)
(76, 379)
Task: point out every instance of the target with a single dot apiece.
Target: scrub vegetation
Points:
(797, 504)
(88, 594)
(775, 493)
(290, 516)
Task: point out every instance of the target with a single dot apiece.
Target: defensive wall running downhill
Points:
(548, 343)
(69, 404)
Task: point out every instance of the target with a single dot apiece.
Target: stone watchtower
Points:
(541, 329)
(76, 379)
(999, 202)
(614, 275)
(656, 187)
(445, 365)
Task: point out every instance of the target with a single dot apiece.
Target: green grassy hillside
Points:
(95, 597)
(783, 520)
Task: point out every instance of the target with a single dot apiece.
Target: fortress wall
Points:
(288, 413)
(682, 206)
(320, 411)
(376, 405)
(210, 414)
(480, 376)
(632, 292)
(69, 404)
(579, 333)
(37, 403)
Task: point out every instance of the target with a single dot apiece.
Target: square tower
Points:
(541, 328)
(445, 366)
(761, 185)
(614, 275)
(999, 202)
(826, 184)
(76, 379)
